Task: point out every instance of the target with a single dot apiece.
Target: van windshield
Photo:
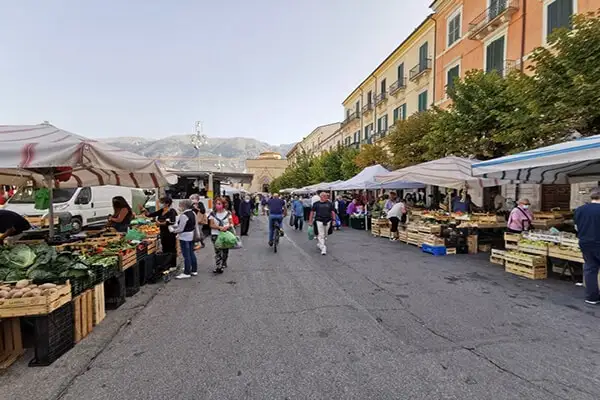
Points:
(27, 196)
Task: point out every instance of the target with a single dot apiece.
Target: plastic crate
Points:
(150, 262)
(53, 335)
(114, 291)
(142, 270)
(435, 250)
(79, 285)
(132, 280)
(101, 273)
(141, 250)
(164, 261)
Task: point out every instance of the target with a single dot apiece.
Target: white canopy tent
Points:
(569, 162)
(450, 172)
(49, 156)
(29, 152)
(366, 180)
(321, 186)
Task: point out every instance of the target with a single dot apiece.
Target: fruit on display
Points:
(534, 243)
(149, 230)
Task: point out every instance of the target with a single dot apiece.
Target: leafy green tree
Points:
(348, 166)
(406, 141)
(372, 154)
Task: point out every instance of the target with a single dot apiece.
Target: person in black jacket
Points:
(166, 216)
(202, 218)
(245, 211)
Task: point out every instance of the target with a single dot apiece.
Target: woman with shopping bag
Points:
(220, 220)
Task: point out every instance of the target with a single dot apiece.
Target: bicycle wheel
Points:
(275, 238)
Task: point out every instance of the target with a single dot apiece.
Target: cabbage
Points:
(21, 256)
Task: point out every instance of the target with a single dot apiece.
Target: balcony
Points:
(492, 18)
(397, 86)
(507, 67)
(367, 141)
(420, 69)
(367, 108)
(352, 117)
(380, 98)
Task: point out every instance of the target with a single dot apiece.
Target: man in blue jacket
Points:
(587, 222)
(298, 213)
(245, 212)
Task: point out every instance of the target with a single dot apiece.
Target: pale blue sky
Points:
(268, 69)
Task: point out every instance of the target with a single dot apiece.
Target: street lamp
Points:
(198, 140)
(219, 164)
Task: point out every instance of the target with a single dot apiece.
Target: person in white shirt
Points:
(396, 214)
(315, 199)
(185, 229)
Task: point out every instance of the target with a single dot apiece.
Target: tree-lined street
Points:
(371, 320)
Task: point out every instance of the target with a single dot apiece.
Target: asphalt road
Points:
(371, 320)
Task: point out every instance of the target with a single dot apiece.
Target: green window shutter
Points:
(552, 16)
(451, 74)
(357, 108)
(495, 55)
(565, 11)
(385, 122)
(401, 74)
(395, 115)
(423, 101)
(423, 54)
(403, 108)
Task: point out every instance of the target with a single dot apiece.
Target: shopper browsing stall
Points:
(587, 222)
(185, 229)
(396, 215)
(520, 218)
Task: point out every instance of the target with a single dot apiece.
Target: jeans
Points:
(298, 221)
(190, 264)
(591, 255)
(273, 218)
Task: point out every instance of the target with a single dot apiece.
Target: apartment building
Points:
(494, 34)
(401, 85)
(322, 138)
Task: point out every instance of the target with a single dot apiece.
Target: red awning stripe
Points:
(135, 182)
(97, 175)
(154, 180)
(30, 137)
(37, 128)
(117, 177)
(27, 155)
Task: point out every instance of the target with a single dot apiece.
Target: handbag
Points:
(235, 219)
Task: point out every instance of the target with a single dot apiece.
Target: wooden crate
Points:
(496, 260)
(498, 253)
(525, 259)
(533, 249)
(11, 344)
(485, 248)
(403, 236)
(433, 240)
(512, 237)
(473, 244)
(537, 272)
(99, 303)
(83, 311)
(39, 305)
(487, 218)
(128, 259)
(385, 232)
(570, 254)
(430, 229)
(450, 250)
(569, 241)
(547, 223)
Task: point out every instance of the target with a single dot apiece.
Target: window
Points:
(496, 8)
(422, 101)
(347, 114)
(383, 87)
(357, 107)
(382, 124)
(494, 55)
(369, 97)
(399, 113)
(357, 136)
(401, 74)
(423, 56)
(368, 131)
(452, 73)
(454, 27)
(558, 15)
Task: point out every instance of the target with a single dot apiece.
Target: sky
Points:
(267, 69)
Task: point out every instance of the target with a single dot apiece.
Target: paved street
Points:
(371, 320)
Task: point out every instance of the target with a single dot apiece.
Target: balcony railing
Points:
(353, 116)
(367, 108)
(507, 67)
(380, 98)
(420, 69)
(397, 86)
(494, 16)
(368, 140)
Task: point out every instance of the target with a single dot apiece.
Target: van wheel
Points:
(76, 224)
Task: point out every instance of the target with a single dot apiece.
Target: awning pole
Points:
(50, 183)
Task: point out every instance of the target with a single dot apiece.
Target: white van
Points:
(86, 205)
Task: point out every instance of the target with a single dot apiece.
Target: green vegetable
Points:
(39, 275)
(21, 256)
(15, 275)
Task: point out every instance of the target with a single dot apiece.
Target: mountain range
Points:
(177, 152)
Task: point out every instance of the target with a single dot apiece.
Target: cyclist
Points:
(277, 212)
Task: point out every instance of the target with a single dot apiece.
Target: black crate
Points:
(114, 291)
(132, 280)
(53, 335)
(101, 273)
(144, 277)
(164, 261)
(80, 285)
(141, 250)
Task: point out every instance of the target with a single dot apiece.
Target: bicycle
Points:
(276, 235)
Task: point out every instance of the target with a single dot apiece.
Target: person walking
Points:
(587, 223)
(396, 215)
(245, 212)
(277, 212)
(323, 215)
(220, 221)
(201, 217)
(185, 228)
(520, 218)
(306, 204)
(298, 213)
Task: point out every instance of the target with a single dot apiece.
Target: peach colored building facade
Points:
(494, 34)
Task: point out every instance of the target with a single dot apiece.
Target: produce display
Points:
(149, 230)
(25, 288)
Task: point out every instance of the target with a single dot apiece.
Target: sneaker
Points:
(323, 251)
(194, 274)
(593, 302)
(270, 243)
(183, 276)
(218, 270)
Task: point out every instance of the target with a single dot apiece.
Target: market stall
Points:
(64, 288)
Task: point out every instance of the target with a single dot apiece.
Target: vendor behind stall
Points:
(122, 215)
(166, 216)
(12, 226)
(520, 218)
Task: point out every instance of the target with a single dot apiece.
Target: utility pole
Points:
(198, 139)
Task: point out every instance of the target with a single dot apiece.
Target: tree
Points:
(348, 166)
(406, 141)
(372, 154)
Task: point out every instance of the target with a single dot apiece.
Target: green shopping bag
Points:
(255, 212)
(311, 233)
(226, 240)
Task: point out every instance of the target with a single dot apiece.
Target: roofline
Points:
(418, 29)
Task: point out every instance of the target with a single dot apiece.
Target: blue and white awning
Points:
(569, 162)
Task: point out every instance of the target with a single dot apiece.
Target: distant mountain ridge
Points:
(178, 152)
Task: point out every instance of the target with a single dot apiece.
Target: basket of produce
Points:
(25, 298)
(533, 247)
